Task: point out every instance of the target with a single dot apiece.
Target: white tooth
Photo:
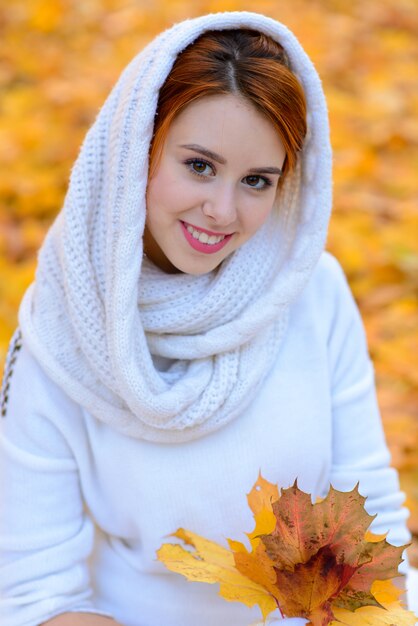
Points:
(203, 237)
(213, 239)
(190, 229)
(195, 234)
(218, 239)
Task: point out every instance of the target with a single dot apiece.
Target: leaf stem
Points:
(279, 607)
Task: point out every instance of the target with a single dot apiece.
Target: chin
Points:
(195, 268)
(195, 271)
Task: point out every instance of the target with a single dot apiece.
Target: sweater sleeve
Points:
(360, 453)
(45, 534)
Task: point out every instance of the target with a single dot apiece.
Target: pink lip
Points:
(204, 247)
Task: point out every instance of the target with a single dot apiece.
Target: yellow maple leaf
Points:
(262, 495)
(211, 563)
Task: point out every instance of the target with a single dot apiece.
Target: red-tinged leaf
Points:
(309, 589)
(339, 516)
(291, 541)
(322, 555)
(302, 527)
(380, 562)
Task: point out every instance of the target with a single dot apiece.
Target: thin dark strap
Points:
(14, 347)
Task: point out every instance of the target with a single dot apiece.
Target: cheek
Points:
(159, 199)
(168, 195)
(257, 213)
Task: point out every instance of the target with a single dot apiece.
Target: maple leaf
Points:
(391, 614)
(316, 561)
(211, 563)
(308, 590)
(303, 527)
(322, 554)
(262, 495)
(255, 564)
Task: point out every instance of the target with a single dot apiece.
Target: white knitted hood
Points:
(97, 312)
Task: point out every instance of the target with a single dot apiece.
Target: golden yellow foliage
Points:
(210, 563)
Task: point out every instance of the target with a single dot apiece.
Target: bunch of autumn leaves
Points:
(315, 561)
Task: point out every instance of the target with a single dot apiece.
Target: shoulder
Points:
(329, 276)
(25, 380)
(330, 304)
(340, 318)
(34, 410)
(328, 289)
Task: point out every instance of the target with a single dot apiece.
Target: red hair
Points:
(243, 62)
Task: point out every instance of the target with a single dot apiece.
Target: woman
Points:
(185, 330)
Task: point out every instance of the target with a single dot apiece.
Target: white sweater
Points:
(84, 508)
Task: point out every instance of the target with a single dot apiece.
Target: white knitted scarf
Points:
(98, 312)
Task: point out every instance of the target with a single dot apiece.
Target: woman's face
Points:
(215, 184)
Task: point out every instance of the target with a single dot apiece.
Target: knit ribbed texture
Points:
(97, 310)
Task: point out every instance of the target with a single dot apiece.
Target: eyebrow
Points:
(217, 157)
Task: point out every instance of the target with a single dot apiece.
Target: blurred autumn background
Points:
(60, 58)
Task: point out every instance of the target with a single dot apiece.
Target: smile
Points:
(204, 241)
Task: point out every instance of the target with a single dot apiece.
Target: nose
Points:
(221, 206)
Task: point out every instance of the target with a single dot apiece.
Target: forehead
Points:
(214, 110)
(224, 123)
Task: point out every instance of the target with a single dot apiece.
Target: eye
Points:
(258, 182)
(200, 167)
